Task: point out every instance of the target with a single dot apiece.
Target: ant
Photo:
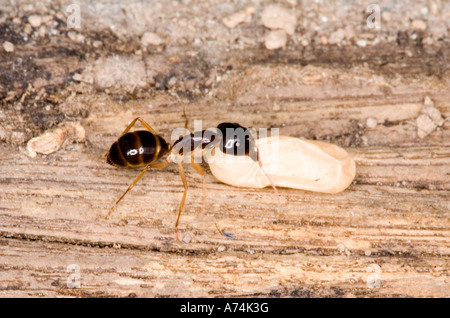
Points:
(146, 149)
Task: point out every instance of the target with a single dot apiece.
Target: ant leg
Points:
(143, 122)
(129, 188)
(224, 233)
(183, 178)
(268, 178)
(160, 165)
(198, 168)
(155, 165)
(220, 231)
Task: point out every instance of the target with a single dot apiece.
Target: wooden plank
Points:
(317, 245)
(391, 226)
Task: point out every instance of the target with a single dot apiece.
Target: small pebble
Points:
(52, 140)
(83, 78)
(239, 17)
(361, 43)
(35, 20)
(386, 16)
(97, 44)
(429, 119)
(275, 39)
(428, 40)
(43, 30)
(371, 123)
(197, 42)
(77, 77)
(27, 29)
(275, 17)
(434, 114)
(187, 238)
(337, 37)
(8, 46)
(341, 248)
(365, 140)
(75, 36)
(425, 126)
(428, 101)
(150, 38)
(419, 25)
(172, 81)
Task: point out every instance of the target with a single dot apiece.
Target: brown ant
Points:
(146, 149)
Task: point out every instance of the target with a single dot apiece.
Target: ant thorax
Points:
(232, 139)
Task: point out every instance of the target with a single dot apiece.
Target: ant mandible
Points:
(146, 149)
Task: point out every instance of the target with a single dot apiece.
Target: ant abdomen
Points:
(136, 149)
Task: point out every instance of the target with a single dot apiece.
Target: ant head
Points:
(237, 140)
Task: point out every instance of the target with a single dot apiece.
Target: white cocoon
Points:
(289, 162)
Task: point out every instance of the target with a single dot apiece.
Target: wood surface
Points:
(387, 235)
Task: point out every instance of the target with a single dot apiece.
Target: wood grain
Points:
(387, 235)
